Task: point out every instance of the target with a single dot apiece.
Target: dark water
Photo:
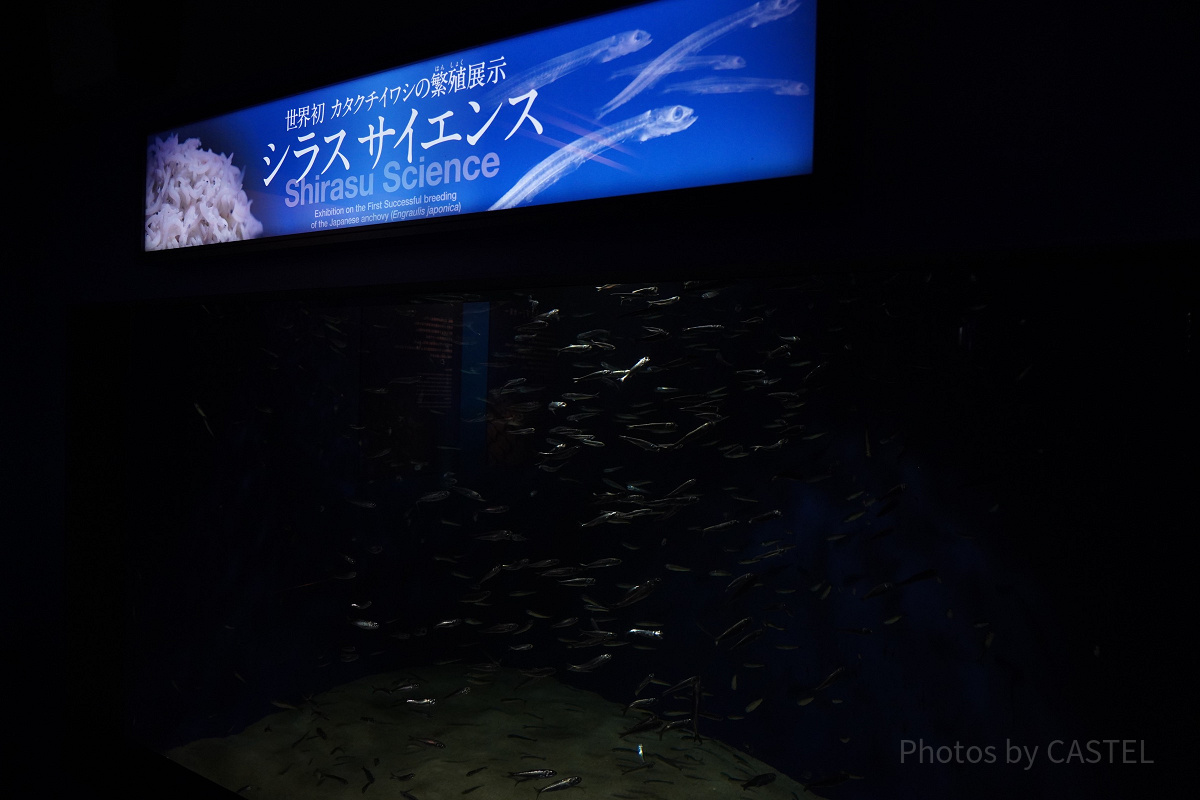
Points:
(896, 478)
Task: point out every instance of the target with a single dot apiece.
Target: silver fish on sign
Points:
(780, 86)
(551, 70)
(648, 125)
(668, 61)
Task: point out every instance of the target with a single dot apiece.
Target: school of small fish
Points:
(663, 493)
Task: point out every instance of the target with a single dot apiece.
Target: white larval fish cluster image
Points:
(194, 196)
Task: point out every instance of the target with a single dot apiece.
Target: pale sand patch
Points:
(575, 732)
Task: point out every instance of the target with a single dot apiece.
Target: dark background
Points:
(1048, 146)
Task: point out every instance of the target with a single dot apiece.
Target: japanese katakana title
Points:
(443, 81)
(344, 186)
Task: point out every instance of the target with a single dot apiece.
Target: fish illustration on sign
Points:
(690, 62)
(736, 85)
(666, 63)
(648, 125)
(551, 70)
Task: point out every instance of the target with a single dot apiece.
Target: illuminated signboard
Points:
(668, 95)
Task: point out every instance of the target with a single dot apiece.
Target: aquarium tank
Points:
(756, 536)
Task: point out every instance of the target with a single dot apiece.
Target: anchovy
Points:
(654, 427)
(600, 372)
(648, 125)
(645, 634)
(650, 723)
(679, 765)
(832, 679)
(549, 71)
(321, 776)
(666, 301)
(640, 703)
(733, 85)
(563, 572)
(427, 743)
(532, 775)
(639, 592)
(679, 723)
(878, 590)
(471, 493)
(749, 637)
(825, 783)
(740, 583)
(565, 783)
(642, 443)
(755, 15)
(591, 665)
(643, 361)
(538, 672)
(686, 683)
(732, 629)
(605, 516)
(759, 780)
(595, 333)
(500, 536)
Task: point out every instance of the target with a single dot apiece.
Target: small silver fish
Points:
(646, 634)
(588, 667)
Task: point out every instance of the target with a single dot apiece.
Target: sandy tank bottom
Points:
(364, 739)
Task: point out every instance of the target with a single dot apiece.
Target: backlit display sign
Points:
(667, 95)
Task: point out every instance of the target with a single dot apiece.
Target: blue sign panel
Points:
(667, 95)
